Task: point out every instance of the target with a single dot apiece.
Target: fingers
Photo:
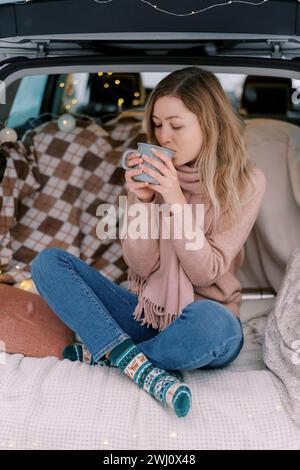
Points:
(130, 173)
(159, 165)
(166, 160)
(153, 173)
(134, 159)
(136, 185)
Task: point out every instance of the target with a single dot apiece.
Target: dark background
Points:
(80, 16)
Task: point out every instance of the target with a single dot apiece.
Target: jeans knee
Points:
(228, 322)
(43, 261)
(215, 316)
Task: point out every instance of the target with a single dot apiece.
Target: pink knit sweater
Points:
(212, 268)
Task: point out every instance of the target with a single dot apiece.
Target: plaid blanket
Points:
(52, 185)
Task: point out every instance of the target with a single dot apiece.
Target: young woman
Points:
(188, 300)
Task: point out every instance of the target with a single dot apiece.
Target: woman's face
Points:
(177, 128)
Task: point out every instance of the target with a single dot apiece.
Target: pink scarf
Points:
(164, 294)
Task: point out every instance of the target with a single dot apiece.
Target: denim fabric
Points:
(206, 335)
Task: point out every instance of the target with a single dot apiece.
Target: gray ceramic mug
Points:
(144, 149)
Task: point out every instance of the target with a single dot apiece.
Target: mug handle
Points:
(124, 157)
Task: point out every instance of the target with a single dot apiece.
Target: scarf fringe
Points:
(154, 315)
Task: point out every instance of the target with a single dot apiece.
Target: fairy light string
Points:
(162, 10)
(193, 12)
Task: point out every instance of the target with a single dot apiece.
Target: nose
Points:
(165, 137)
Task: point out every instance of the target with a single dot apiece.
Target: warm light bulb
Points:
(66, 123)
(8, 135)
(106, 85)
(27, 285)
(61, 85)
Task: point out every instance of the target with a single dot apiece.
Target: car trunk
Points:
(238, 38)
(60, 37)
(236, 35)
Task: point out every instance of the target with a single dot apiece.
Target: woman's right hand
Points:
(139, 188)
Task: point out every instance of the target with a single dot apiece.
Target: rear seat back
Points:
(274, 146)
(268, 97)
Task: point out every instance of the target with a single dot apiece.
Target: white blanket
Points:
(52, 404)
(281, 348)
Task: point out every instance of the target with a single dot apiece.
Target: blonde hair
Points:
(223, 165)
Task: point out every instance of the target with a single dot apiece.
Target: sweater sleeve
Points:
(218, 250)
(141, 254)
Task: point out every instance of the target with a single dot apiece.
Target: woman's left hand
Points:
(168, 186)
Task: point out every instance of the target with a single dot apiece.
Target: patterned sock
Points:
(79, 352)
(162, 385)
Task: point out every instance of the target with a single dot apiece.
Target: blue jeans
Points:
(205, 335)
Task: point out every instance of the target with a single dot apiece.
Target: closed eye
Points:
(156, 126)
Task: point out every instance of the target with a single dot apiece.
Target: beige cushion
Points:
(271, 145)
